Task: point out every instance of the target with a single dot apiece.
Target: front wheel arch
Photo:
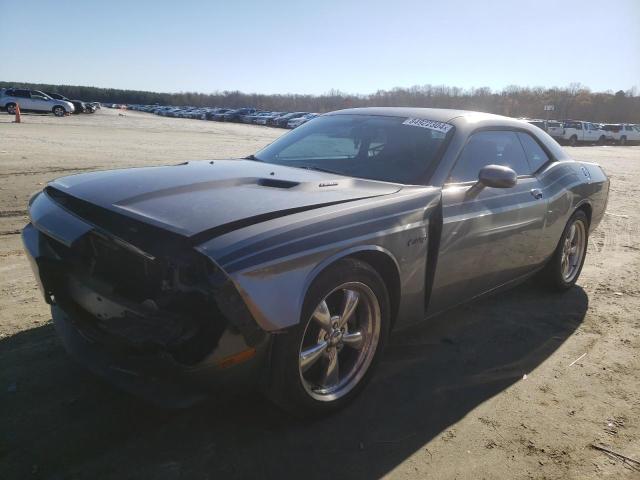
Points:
(587, 209)
(377, 257)
(388, 271)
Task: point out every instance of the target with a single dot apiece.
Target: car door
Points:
(594, 132)
(40, 101)
(491, 237)
(23, 98)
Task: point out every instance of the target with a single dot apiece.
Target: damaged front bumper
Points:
(174, 341)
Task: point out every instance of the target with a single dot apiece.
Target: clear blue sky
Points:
(312, 46)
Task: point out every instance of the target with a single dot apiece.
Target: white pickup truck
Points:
(576, 131)
(623, 133)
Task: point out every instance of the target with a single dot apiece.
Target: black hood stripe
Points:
(120, 225)
(211, 233)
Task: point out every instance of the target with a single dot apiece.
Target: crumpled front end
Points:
(139, 306)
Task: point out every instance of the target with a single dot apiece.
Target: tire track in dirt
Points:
(13, 213)
(49, 170)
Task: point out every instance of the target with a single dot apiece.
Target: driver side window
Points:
(487, 148)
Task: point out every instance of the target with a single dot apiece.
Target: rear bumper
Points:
(130, 349)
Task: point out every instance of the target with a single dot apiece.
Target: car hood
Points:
(210, 198)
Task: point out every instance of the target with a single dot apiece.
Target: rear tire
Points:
(58, 111)
(564, 266)
(623, 141)
(321, 364)
(573, 141)
(602, 140)
(11, 108)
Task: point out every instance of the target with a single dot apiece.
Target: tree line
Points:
(575, 101)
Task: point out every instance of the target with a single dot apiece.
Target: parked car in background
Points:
(296, 122)
(577, 131)
(170, 284)
(555, 128)
(235, 115)
(266, 119)
(541, 124)
(34, 101)
(217, 112)
(79, 105)
(622, 133)
(251, 117)
(283, 120)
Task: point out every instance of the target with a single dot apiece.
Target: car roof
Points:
(437, 114)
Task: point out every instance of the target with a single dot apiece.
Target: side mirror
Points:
(493, 176)
(497, 176)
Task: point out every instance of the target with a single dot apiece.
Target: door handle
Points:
(537, 193)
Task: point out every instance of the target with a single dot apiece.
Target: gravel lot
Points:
(489, 390)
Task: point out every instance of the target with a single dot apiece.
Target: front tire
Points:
(59, 111)
(623, 141)
(564, 267)
(321, 364)
(602, 140)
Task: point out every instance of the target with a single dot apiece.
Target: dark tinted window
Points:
(21, 93)
(535, 154)
(487, 148)
(384, 148)
(576, 125)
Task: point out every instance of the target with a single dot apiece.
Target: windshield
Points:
(391, 149)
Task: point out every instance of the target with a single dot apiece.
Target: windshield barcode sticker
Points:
(430, 124)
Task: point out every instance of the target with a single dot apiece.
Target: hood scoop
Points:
(275, 183)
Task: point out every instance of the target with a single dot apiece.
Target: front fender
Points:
(275, 293)
(274, 263)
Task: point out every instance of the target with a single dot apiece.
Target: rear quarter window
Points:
(534, 152)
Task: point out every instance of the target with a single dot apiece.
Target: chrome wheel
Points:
(11, 109)
(573, 250)
(58, 111)
(340, 341)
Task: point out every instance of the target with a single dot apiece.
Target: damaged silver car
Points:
(287, 270)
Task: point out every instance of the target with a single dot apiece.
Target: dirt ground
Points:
(515, 386)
